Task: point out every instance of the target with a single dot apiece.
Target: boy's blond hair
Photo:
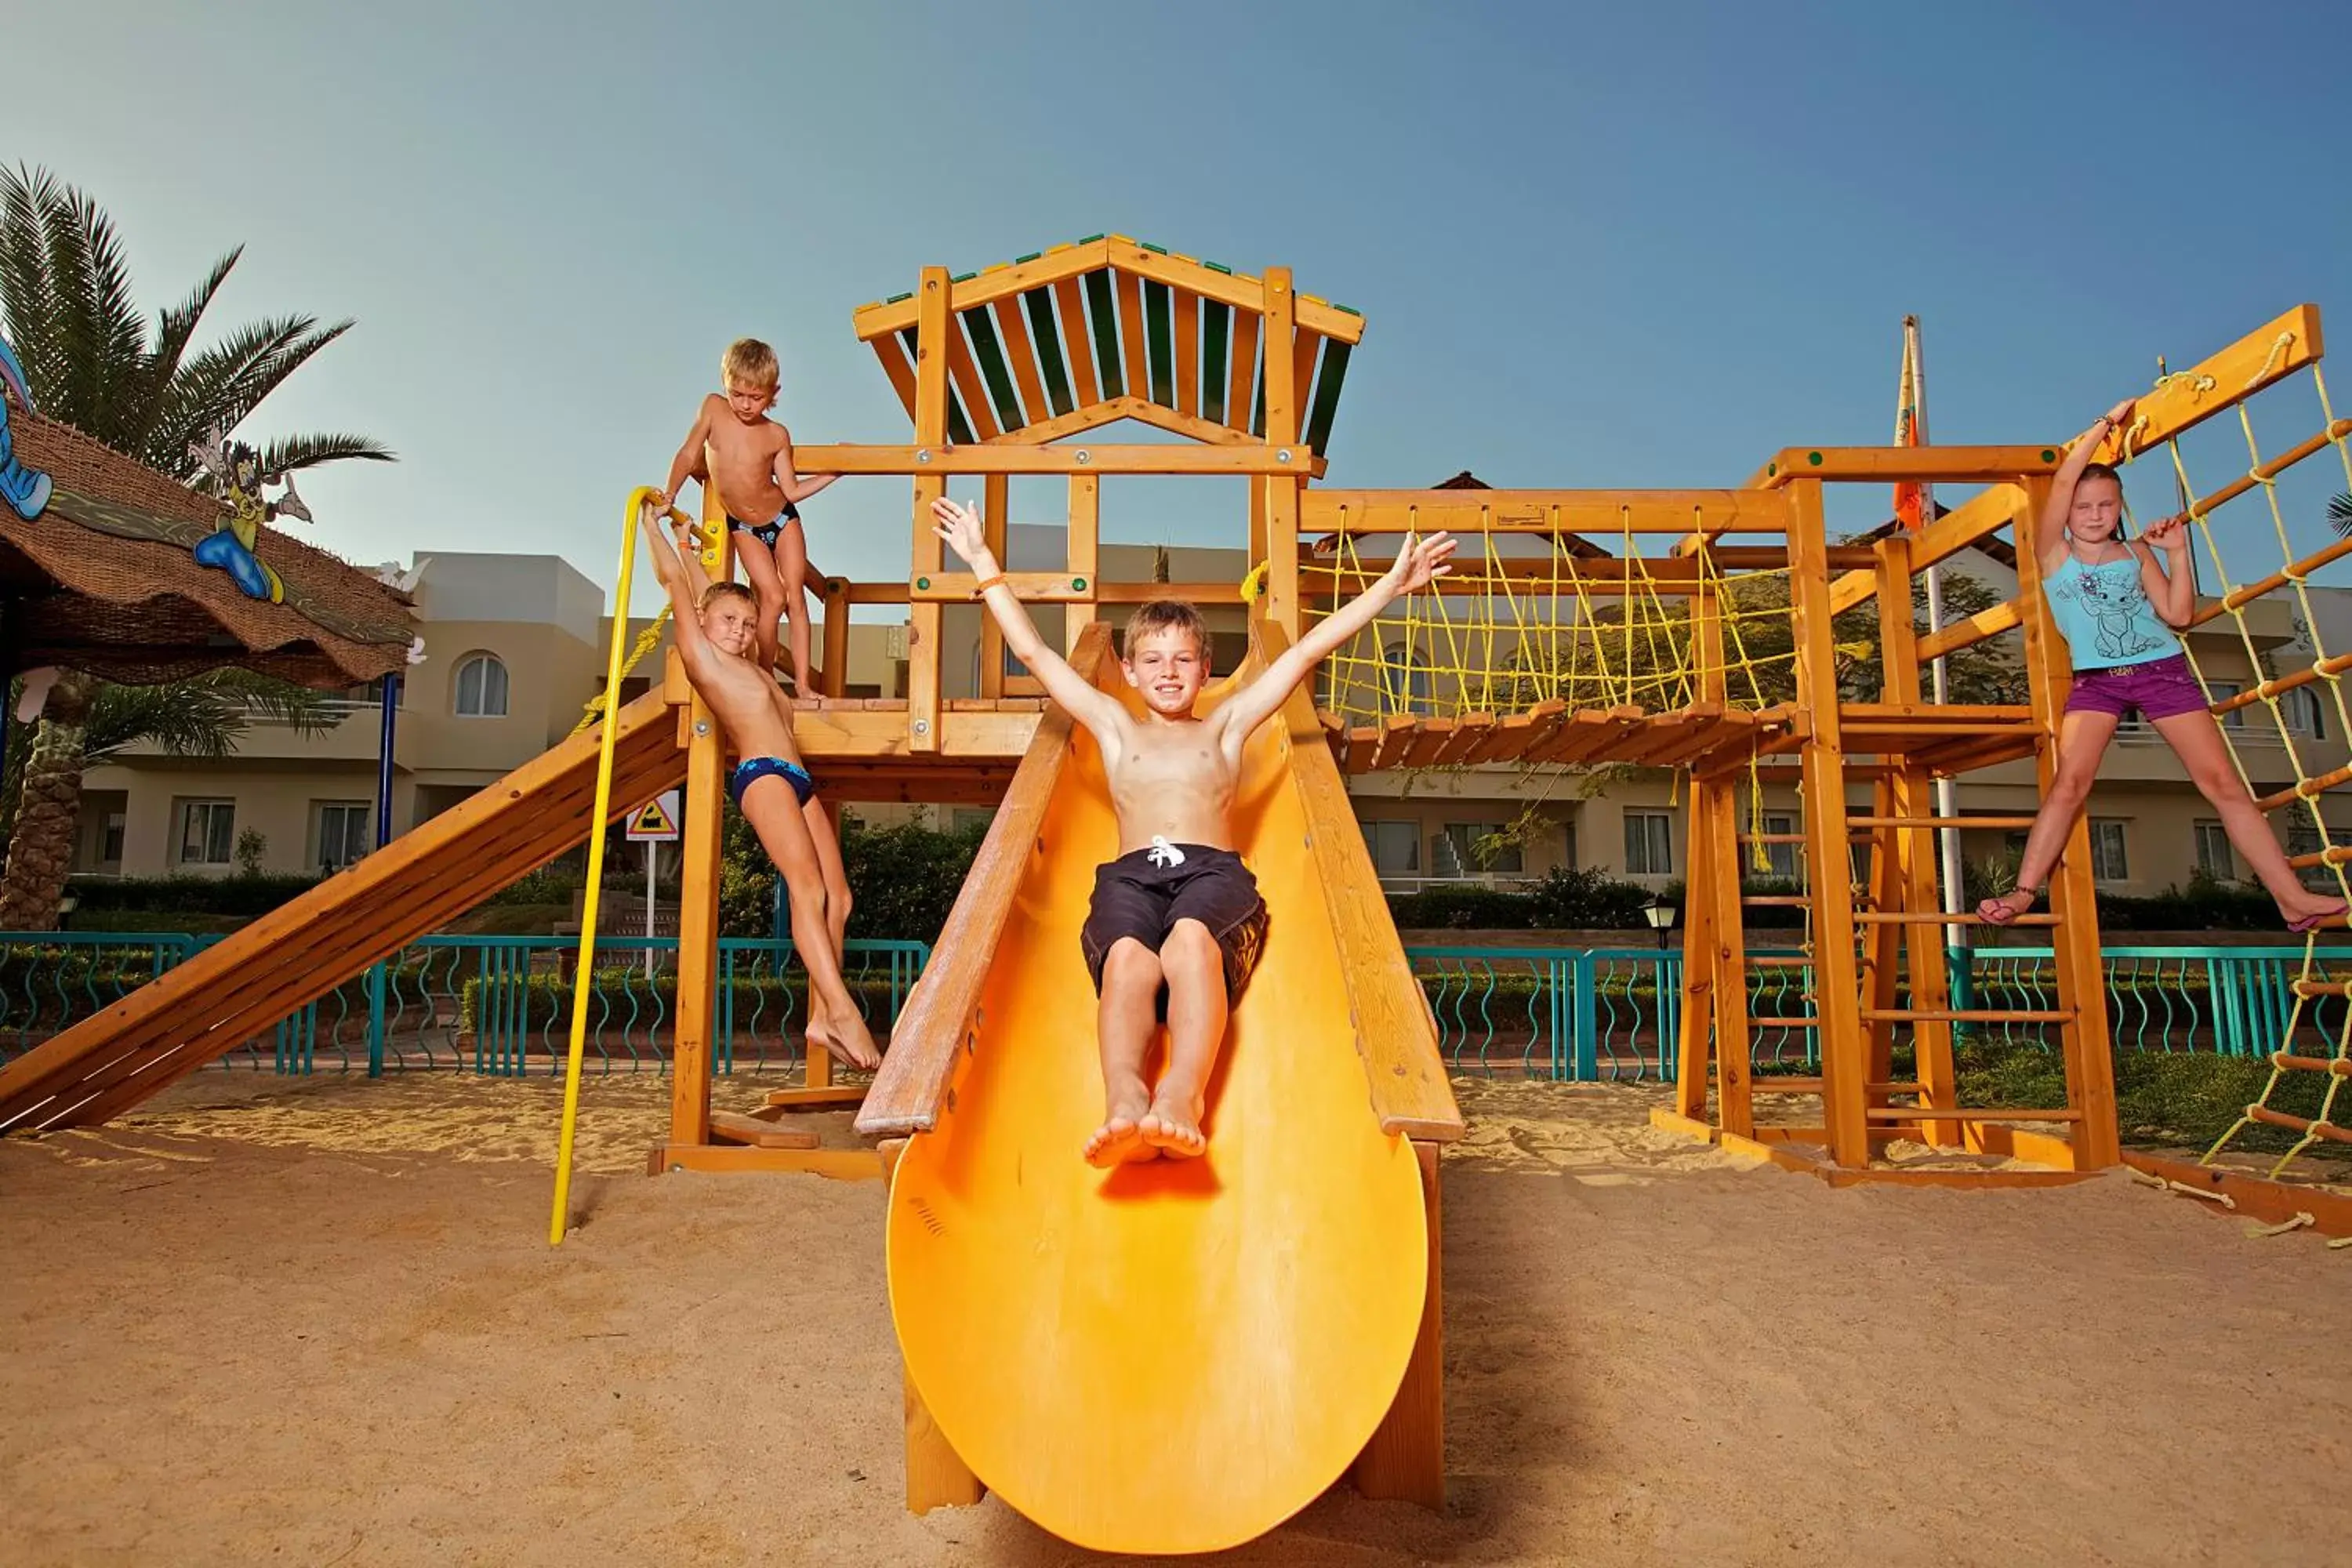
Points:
(748, 362)
(718, 591)
(1166, 614)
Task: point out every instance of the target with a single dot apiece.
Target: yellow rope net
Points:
(2291, 1063)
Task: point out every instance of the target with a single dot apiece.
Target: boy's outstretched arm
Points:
(1090, 705)
(2052, 535)
(688, 464)
(788, 477)
(681, 574)
(1419, 562)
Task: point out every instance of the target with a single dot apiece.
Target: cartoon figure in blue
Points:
(26, 490)
(236, 470)
(2114, 597)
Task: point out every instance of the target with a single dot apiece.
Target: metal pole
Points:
(389, 697)
(652, 850)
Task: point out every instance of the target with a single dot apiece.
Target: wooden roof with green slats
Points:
(1077, 336)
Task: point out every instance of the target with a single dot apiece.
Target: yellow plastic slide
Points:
(1173, 1356)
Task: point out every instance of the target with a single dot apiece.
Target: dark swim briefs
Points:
(1145, 893)
(766, 532)
(751, 770)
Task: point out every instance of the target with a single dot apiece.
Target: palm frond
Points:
(212, 388)
(2339, 514)
(175, 327)
(97, 323)
(30, 305)
(203, 717)
(292, 453)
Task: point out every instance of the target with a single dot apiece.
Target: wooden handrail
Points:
(916, 1071)
(1395, 1034)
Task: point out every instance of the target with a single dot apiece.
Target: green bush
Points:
(238, 895)
(2184, 1099)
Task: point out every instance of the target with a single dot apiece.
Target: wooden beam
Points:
(995, 505)
(1981, 515)
(1968, 633)
(1078, 341)
(926, 461)
(1405, 1460)
(970, 388)
(936, 342)
(2252, 1197)
(1063, 587)
(1892, 465)
(1188, 354)
(898, 368)
(1595, 514)
(1238, 290)
(1060, 262)
(1071, 261)
(1241, 373)
(1084, 547)
(1020, 355)
(2270, 353)
(1284, 499)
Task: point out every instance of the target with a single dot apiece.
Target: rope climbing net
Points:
(1553, 619)
(2312, 1061)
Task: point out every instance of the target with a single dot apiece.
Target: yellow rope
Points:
(647, 640)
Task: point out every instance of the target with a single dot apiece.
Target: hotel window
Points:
(482, 688)
(207, 832)
(2109, 863)
(1462, 839)
(1395, 847)
(1649, 843)
(343, 834)
(2213, 854)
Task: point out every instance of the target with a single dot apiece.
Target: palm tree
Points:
(91, 361)
(2339, 514)
(148, 392)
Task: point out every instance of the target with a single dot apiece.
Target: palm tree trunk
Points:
(48, 813)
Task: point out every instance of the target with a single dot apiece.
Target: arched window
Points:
(1404, 683)
(482, 688)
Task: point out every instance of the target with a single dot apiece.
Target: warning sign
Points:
(656, 822)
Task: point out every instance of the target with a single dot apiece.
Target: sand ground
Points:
(316, 1322)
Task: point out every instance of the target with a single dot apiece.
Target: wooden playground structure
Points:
(1555, 653)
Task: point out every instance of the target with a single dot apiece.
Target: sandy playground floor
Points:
(318, 1322)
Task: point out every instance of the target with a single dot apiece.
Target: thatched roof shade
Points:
(102, 581)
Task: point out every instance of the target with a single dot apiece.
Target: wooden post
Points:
(1836, 986)
(836, 635)
(1405, 1460)
(932, 326)
(996, 490)
(936, 1476)
(2074, 898)
(1086, 556)
(695, 1037)
(1914, 886)
(1282, 604)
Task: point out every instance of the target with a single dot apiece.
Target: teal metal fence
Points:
(498, 1005)
(501, 1004)
(1610, 1014)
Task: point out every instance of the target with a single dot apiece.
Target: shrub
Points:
(238, 895)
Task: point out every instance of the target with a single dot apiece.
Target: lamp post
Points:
(1661, 916)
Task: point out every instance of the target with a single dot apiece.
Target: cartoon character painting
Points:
(26, 490)
(236, 470)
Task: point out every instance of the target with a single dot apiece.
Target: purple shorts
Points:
(2160, 689)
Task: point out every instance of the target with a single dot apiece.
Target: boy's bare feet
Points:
(847, 1042)
(1119, 1139)
(1173, 1127)
(1999, 912)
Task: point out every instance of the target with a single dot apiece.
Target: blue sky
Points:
(1603, 245)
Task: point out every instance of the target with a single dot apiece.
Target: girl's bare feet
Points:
(1173, 1128)
(1999, 912)
(2308, 912)
(846, 1041)
(1119, 1139)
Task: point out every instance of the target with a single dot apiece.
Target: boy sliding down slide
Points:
(1176, 921)
(716, 636)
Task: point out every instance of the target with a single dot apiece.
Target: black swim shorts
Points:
(1145, 893)
(766, 532)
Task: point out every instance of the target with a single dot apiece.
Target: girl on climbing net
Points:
(2120, 609)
